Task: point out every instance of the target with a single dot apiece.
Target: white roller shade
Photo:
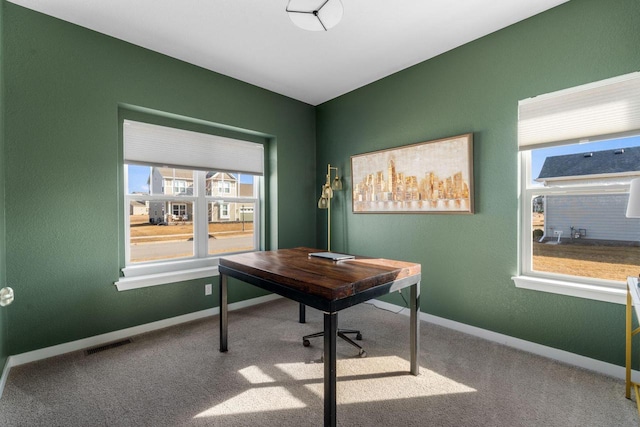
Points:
(603, 109)
(145, 143)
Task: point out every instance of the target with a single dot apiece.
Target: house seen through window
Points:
(579, 150)
(183, 210)
(163, 219)
(577, 201)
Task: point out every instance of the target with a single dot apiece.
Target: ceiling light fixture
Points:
(315, 15)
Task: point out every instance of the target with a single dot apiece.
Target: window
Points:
(246, 209)
(179, 210)
(224, 210)
(179, 186)
(579, 149)
(224, 187)
(185, 225)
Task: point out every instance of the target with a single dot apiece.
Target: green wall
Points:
(4, 350)
(64, 86)
(468, 260)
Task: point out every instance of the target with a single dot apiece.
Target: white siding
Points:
(602, 216)
(156, 212)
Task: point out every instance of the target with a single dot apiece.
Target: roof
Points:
(612, 161)
(175, 173)
(221, 176)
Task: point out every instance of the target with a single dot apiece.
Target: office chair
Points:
(342, 333)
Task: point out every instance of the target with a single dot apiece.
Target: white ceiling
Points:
(254, 40)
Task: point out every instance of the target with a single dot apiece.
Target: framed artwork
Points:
(428, 177)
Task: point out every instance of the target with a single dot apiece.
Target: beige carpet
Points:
(177, 376)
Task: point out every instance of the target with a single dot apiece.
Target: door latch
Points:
(6, 296)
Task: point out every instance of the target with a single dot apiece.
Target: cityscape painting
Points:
(428, 177)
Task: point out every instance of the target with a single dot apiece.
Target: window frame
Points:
(179, 186)
(181, 208)
(200, 202)
(596, 111)
(159, 272)
(224, 210)
(527, 278)
(224, 187)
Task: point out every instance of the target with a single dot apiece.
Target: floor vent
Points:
(107, 346)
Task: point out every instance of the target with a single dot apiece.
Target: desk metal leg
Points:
(330, 332)
(415, 328)
(303, 314)
(224, 316)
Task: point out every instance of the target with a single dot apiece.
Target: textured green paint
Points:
(65, 87)
(468, 260)
(4, 350)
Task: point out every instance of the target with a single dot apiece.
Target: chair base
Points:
(342, 333)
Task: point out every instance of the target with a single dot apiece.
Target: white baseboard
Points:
(541, 350)
(57, 350)
(97, 340)
(5, 375)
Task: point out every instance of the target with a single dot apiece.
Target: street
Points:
(173, 249)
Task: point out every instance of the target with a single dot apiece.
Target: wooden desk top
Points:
(323, 278)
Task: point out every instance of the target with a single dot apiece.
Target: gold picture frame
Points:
(427, 177)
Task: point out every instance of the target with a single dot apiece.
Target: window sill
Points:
(137, 282)
(574, 289)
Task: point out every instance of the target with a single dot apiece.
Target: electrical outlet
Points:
(207, 289)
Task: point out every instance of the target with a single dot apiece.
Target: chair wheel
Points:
(362, 353)
(306, 343)
(359, 337)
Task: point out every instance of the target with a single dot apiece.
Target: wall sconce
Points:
(326, 195)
